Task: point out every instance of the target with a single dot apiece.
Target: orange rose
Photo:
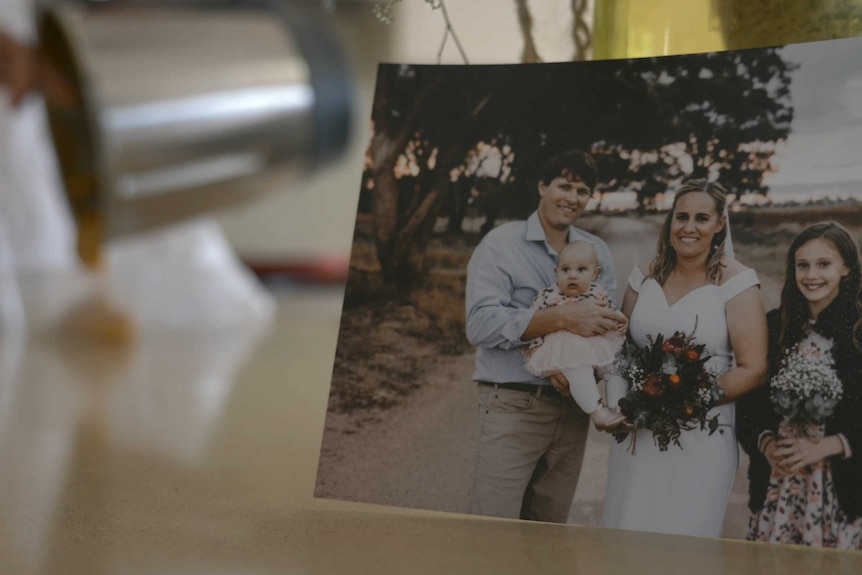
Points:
(652, 386)
(692, 355)
(674, 380)
(689, 409)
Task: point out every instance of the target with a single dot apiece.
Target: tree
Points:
(649, 123)
(717, 115)
(432, 111)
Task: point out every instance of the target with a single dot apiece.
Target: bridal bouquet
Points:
(806, 388)
(671, 389)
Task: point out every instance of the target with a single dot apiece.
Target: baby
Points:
(574, 355)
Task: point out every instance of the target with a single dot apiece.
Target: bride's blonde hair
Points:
(665, 259)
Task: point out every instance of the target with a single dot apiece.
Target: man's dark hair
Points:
(574, 165)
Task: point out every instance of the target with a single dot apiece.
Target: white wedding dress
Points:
(678, 491)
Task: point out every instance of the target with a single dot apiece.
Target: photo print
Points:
(620, 294)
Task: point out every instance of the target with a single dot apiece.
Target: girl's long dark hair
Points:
(794, 310)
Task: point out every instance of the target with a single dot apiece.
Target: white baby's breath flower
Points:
(806, 387)
(636, 375)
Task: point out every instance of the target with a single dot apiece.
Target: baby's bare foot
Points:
(604, 418)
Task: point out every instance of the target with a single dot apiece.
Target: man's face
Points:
(562, 201)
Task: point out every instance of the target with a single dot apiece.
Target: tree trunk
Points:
(459, 195)
(384, 210)
(401, 244)
(401, 231)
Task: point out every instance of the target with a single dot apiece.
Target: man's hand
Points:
(589, 318)
(586, 318)
(561, 384)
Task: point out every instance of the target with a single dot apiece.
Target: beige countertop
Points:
(197, 453)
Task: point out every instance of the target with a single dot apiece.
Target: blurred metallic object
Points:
(189, 106)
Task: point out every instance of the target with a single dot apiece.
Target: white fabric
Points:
(728, 241)
(38, 224)
(679, 491)
(564, 350)
(184, 276)
(37, 231)
(16, 18)
(11, 306)
(33, 209)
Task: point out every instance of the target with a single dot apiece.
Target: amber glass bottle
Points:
(633, 28)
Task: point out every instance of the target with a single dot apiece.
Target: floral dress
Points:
(802, 507)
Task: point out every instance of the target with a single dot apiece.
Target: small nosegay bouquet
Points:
(806, 389)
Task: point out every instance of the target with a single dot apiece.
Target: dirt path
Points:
(419, 454)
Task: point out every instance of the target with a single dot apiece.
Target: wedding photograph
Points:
(622, 294)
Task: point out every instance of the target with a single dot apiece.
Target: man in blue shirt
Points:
(531, 434)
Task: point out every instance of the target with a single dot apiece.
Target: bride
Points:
(693, 281)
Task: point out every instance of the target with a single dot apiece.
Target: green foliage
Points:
(649, 122)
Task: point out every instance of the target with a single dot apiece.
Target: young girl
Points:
(806, 485)
(573, 355)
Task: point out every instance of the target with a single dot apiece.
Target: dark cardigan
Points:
(755, 413)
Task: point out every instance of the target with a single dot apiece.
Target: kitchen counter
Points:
(196, 453)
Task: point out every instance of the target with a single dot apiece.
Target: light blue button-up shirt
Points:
(511, 264)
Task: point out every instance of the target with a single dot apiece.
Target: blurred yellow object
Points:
(640, 28)
(98, 320)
